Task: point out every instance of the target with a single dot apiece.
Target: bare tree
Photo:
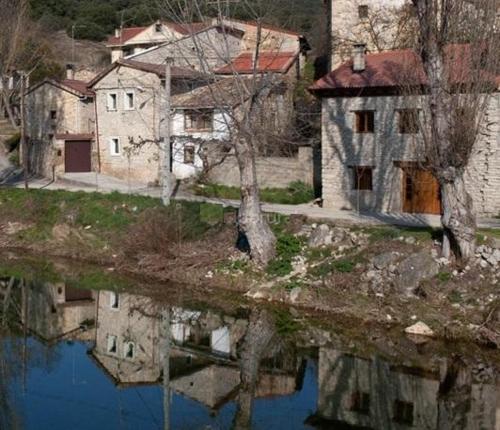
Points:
(250, 92)
(459, 50)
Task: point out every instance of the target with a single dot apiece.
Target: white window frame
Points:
(109, 99)
(126, 99)
(112, 147)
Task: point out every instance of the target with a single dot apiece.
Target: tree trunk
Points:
(258, 337)
(8, 106)
(251, 220)
(459, 220)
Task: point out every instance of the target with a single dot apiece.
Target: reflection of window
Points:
(129, 350)
(199, 120)
(403, 412)
(112, 101)
(129, 100)
(360, 402)
(114, 146)
(114, 300)
(111, 344)
(408, 121)
(189, 154)
(363, 11)
(363, 178)
(365, 121)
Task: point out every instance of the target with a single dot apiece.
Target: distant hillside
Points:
(95, 20)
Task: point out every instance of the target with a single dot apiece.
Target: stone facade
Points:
(343, 149)
(379, 29)
(202, 51)
(53, 110)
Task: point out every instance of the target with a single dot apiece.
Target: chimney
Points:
(117, 32)
(70, 71)
(359, 57)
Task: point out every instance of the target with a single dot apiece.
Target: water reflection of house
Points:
(362, 393)
(56, 311)
(127, 344)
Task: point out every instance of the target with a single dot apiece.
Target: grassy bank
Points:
(296, 193)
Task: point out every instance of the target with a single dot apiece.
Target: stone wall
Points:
(379, 32)
(342, 149)
(272, 172)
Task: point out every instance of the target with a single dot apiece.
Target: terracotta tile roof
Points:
(73, 137)
(185, 29)
(276, 62)
(394, 69)
(267, 27)
(126, 35)
(78, 86)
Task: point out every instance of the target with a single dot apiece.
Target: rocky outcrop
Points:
(415, 269)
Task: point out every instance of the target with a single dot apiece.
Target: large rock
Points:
(321, 236)
(419, 329)
(383, 261)
(413, 270)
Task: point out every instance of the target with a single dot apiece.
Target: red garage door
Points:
(77, 156)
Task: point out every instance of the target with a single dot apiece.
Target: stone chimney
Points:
(117, 32)
(70, 71)
(359, 57)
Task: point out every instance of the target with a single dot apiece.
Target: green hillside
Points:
(95, 19)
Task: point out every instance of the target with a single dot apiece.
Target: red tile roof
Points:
(186, 29)
(126, 35)
(394, 69)
(78, 86)
(276, 62)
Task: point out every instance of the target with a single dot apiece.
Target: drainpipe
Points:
(97, 140)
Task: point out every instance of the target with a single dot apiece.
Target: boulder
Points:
(321, 236)
(383, 261)
(413, 270)
(419, 329)
(295, 294)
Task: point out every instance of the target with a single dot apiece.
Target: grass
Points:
(104, 215)
(340, 266)
(287, 247)
(296, 193)
(423, 234)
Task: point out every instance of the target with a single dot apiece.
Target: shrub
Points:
(287, 247)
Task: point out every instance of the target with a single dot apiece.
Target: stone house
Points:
(379, 24)
(129, 101)
(61, 121)
(132, 40)
(371, 146)
(204, 50)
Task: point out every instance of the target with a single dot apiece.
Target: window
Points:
(129, 100)
(365, 121)
(408, 121)
(363, 11)
(114, 146)
(112, 101)
(199, 120)
(363, 178)
(403, 412)
(129, 350)
(189, 154)
(111, 344)
(53, 114)
(158, 27)
(360, 402)
(114, 300)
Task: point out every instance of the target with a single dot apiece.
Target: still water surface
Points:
(80, 359)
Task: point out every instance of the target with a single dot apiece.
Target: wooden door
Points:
(421, 192)
(77, 156)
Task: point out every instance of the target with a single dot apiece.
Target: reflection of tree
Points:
(9, 369)
(260, 333)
